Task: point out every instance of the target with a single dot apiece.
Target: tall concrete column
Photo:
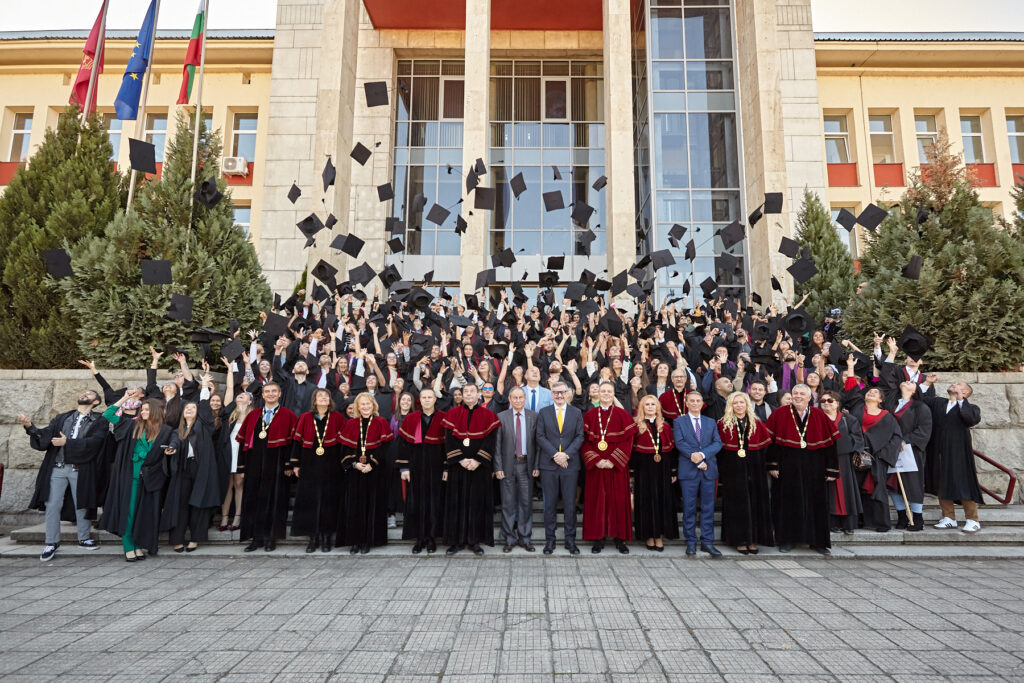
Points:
(620, 204)
(475, 139)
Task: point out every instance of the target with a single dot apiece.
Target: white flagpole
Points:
(94, 76)
(199, 113)
(140, 119)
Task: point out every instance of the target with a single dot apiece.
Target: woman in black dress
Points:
(364, 445)
(194, 489)
(845, 507)
(653, 466)
(743, 477)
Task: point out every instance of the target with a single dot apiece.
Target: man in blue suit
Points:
(698, 443)
(559, 439)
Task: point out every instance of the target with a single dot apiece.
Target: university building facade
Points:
(691, 109)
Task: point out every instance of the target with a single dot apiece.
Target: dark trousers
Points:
(552, 483)
(516, 503)
(700, 490)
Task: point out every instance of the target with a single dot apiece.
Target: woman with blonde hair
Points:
(316, 461)
(364, 447)
(653, 467)
(746, 505)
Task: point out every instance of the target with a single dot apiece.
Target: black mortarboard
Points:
(479, 168)
(504, 258)
(361, 275)
(922, 215)
(294, 193)
(207, 193)
(912, 270)
(553, 200)
(587, 277)
(674, 242)
(329, 174)
(636, 291)
(498, 351)
(754, 217)
(324, 271)
(602, 285)
(320, 293)
(588, 306)
(846, 219)
(180, 308)
(277, 300)
(581, 212)
(338, 242)
(58, 263)
(556, 174)
(275, 324)
(472, 181)
(619, 283)
(462, 320)
(871, 216)
(438, 214)
(310, 225)
(155, 272)
(376, 93)
(773, 202)
(686, 287)
(385, 192)
(460, 225)
(484, 278)
(556, 262)
(677, 231)
(708, 286)
(611, 322)
(548, 278)
(353, 245)
(518, 185)
(662, 259)
(428, 276)
(575, 291)
(359, 294)
(231, 349)
(726, 262)
(691, 251)
(732, 234)
(483, 198)
(548, 297)
(586, 237)
(913, 343)
(789, 247)
(142, 155)
(389, 275)
(395, 245)
(803, 270)
(331, 221)
(600, 183)
(776, 285)
(472, 302)
(798, 322)
(360, 153)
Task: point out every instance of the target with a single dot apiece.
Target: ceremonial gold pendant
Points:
(465, 442)
(803, 444)
(742, 453)
(263, 434)
(320, 450)
(602, 445)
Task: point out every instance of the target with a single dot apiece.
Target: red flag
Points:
(80, 90)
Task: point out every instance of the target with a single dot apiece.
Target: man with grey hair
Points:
(559, 439)
(515, 466)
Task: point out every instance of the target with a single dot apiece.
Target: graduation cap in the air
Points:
(438, 214)
(553, 200)
(548, 278)
(142, 155)
(376, 93)
(329, 174)
(575, 291)
(419, 201)
(294, 193)
(485, 277)
(556, 174)
(708, 286)
(504, 258)
(324, 271)
(394, 226)
(789, 247)
(600, 183)
(585, 238)
(331, 221)
(726, 262)
(395, 245)
(776, 285)
(389, 275)
(275, 325)
(360, 153)
(472, 302)
(231, 350)
(772, 202)
(483, 198)
(581, 212)
(180, 308)
(361, 275)
(352, 245)
(207, 193)
(677, 231)
(846, 219)
(871, 216)
(460, 225)
(732, 234)
(755, 216)
(686, 287)
(518, 185)
(914, 343)
(619, 283)
(803, 270)
(556, 262)
(587, 277)
(798, 322)
(479, 167)
(912, 270)
(58, 262)
(472, 180)
(662, 259)
(691, 251)
(612, 323)
(310, 226)
(385, 192)
(462, 320)
(155, 272)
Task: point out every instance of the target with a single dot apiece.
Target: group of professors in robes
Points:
(644, 424)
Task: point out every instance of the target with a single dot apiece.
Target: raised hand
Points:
(89, 364)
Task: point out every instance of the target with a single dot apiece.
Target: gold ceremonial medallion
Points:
(742, 453)
(362, 458)
(657, 457)
(602, 445)
(465, 442)
(263, 434)
(803, 444)
(320, 450)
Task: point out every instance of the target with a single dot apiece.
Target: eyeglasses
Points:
(827, 400)
(487, 389)
(558, 392)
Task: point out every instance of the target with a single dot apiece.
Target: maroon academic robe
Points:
(606, 507)
(673, 404)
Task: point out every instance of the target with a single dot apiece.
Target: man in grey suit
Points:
(516, 466)
(559, 439)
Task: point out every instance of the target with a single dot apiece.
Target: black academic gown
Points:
(469, 496)
(152, 478)
(743, 482)
(193, 489)
(83, 452)
(365, 493)
(883, 441)
(424, 503)
(844, 501)
(654, 512)
(318, 491)
(916, 425)
(950, 472)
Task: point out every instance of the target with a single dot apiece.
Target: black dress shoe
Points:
(597, 547)
(621, 546)
(363, 550)
(431, 546)
(785, 548)
(711, 550)
(311, 546)
(354, 550)
(179, 549)
(417, 549)
(191, 548)
(477, 550)
(650, 547)
(507, 548)
(571, 547)
(549, 548)
(743, 551)
(659, 548)
(270, 547)
(822, 551)
(753, 551)
(253, 545)
(452, 550)
(691, 549)
(325, 545)
(527, 546)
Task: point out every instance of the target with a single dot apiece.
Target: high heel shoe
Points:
(139, 555)
(752, 550)
(237, 525)
(191, 547)
(223, 526)
(129, 556)
(179, 549)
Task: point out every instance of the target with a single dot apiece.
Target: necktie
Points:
(519, 437)
(696, 427)
(533, 400)
(559, 420)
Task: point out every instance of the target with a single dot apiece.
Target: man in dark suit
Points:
(559, 440)
(515, 465)
(698, 442)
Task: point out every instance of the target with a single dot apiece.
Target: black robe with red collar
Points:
(423, 455)
(469, 498)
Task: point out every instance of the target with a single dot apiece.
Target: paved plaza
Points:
(406, 618)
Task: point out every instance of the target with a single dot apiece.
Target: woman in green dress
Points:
(139, 473)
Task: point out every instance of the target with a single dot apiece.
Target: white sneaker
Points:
(970, 526)
(392, 522)
(946, 523)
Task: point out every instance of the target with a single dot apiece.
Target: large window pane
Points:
(709, 76)
(454, 98)
(714, 158)
(670, 147)
(425, 98)
(708, 34)
(556, 100)
(666, 34)
(527, 99)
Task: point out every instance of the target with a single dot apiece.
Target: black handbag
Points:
(861, 460)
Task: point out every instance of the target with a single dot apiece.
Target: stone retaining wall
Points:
(42, 394)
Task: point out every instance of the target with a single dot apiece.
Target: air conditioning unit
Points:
(234, 166)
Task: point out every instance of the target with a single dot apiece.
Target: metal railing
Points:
(1007, 498)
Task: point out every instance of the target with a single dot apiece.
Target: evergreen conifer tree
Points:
(970, 294)
(835, 281)
(68, 192)
(212, 262)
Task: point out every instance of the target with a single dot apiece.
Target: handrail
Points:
(1008, 497)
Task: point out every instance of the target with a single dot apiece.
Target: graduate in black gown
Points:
(915, 420)
(884, 440)
(470, 438)
(364, 442)
(653, 466)
(742, 479)
(316, 461)
(422, 464)
(266, 438)
(844, 503)
(193, 491)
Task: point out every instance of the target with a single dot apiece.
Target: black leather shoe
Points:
(527, 546)
(659, 548)
(743, 551)
(822, 551)
(549, 548)
(311, 546)
(270, 547)
(253, 545)
(507, 548)
(179, 549)
(325, 545)
(417, 549)
(354, 550)
(753, 551)
(191, 548)
(902, 521)
(477, 550)
(620, 545)
(365, 549)
(431, 546)
(571, 547)
(785, 548)
(691, 549)
(597, 547)
(711, 550)
(452, 550)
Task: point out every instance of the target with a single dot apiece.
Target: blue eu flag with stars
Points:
(127, 102)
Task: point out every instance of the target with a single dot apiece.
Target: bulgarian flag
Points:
(193, 56)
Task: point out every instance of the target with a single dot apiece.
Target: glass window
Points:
(927, 133)
(709, 76)
(670, 144)
(156, 133)
(666, 34)
(883, 145)
(974, 148)
(837, 140)
(113, 126)
(454, 98)
(847, 237)
(244, 136)
(242, 215)
(556, 105)
(21, 135)
(714, 159)
(708, 33)
(1015, 132)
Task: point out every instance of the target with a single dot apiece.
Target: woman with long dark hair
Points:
(316, 461)
(405, 405)
(194, 491)
(884, 440)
